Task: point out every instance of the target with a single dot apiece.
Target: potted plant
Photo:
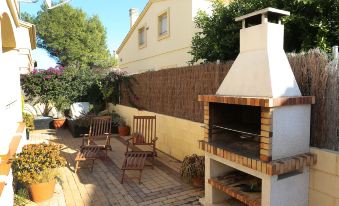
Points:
(37, 168)
(61, 104)
(193, 170)
(116, 118)
(123, 129)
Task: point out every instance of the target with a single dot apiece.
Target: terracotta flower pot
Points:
(42, 191)
(58, 123)
(123, 130)
(197, 181)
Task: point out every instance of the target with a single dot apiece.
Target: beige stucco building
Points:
(161, 36)
(17, 40)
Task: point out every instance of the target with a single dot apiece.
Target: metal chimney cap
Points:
(276, 12)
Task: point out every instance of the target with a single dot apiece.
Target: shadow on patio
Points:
(161, 186)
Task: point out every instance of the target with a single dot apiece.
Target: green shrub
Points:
(193, 166)
(83, 121)
(21, 197)
(312, 24)
(29, 120)
(116, 118)
(38, 163)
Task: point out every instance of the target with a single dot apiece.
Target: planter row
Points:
(43, 123)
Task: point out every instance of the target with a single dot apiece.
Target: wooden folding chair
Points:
(87, 152)
(144, 133)
(133, 161)
(100, 129)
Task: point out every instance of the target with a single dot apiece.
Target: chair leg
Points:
(140, 177)
(153, 160)
(76, 166)
(92, 165)
(122, 177)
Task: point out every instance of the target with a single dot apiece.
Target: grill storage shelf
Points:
(249, 198)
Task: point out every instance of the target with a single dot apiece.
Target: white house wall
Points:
(168, 52)
(15, 46)
(9, 88)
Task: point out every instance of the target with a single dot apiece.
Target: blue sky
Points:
(112, 13)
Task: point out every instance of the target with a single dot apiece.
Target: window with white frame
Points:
(142, 36)
(163, 24)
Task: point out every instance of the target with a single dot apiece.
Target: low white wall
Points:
(177, 137)
(324, 179)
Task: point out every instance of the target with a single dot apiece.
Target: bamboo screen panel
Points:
(174, 92)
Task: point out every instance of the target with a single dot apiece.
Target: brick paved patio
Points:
(161, 186)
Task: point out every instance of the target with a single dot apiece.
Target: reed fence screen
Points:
(174, 92)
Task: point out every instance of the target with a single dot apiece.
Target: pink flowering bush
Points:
(44, 86)
(50, 71)
(57, 86)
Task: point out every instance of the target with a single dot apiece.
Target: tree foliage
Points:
(110, 85)
(313, 23)
(72, 37)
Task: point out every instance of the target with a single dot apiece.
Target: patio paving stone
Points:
(161, 186)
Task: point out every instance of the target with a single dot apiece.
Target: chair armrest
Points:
(129, 139)
(109, 135)
(84, 137)
(154, 139)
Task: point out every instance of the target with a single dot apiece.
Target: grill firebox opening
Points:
(235, 128)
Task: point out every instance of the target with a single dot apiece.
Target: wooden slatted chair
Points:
(144, 134)
(87, 152)
(100, 129)
(133, 161)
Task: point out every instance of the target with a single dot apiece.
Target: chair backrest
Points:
(146, 127)
(100, 126)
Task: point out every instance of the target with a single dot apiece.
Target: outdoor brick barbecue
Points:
(257, 126)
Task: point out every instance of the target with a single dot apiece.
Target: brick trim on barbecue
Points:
(258, 101)
(276, 167)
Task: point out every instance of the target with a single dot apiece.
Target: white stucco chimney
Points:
(261, 68)
(133, 16)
